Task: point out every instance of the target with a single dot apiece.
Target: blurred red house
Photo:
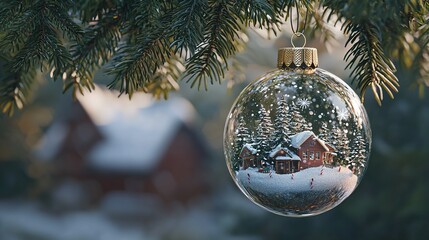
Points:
(142, 146)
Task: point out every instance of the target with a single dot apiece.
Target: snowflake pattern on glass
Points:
(303, 103)
(343, 115)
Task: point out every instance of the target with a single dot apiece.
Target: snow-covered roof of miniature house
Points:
(294, 157)
(250, 147)
(136, 132)
(324, 145)
(290, 155)
(277, 149)
(298, 139)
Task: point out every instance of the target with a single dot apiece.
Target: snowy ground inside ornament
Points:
(309, 191)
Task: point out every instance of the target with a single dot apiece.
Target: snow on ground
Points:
(301, 181)
(307, 192)
(28, 221)
(125, 216)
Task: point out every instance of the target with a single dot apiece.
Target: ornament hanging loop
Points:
(297, 30)
(298, 34)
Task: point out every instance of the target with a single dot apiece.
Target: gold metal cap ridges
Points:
(292, 58)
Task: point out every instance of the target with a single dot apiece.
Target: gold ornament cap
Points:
(298, 58)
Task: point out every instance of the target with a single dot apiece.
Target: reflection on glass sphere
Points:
(297, 144)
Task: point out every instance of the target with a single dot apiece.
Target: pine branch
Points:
(398, 39)
(221, 32)
(164, 79)
(188, 24)
(370, 36)
(14, 90)
(149, 14)
(9, 12)
(146, 48)
(419, 23)
(42, 45)
(371, 68)
(35, 46)
(16, 24)
(261, 14)
(320, 27)
(99, 44)
(140, 40)
(89, 10)
(134, 66)
(58, 15)
(283, 6)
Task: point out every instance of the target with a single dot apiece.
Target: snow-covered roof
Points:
(294, 157)
(136, 132)
(51, 141)
(250, 147)
(298, 139)
(276, 150)
(324, 145)
(289, 154)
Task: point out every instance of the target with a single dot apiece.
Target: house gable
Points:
(248, 155)
(283, 153)
(314, 143)
(247, 150)
(308, 137)
(298, 139)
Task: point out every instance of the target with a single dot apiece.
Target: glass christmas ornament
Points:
(297, 140)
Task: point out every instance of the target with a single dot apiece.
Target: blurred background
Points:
(104, 167)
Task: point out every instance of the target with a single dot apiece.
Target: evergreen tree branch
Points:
(59, 16)
(139, 41)
(261, 14)
(42, 45)
(134, 66)
(369, 61)
(188, 24)
(221, 32)
(421, 61)
(164, 79)
(98, 45)
(319, 27)
(17, 24)
(14, 89)
(147, 48)
(89, 10)
(38, 46)
(419, 23)
(371, 67)
(9, 12)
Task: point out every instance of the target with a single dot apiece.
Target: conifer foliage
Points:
(147, 45)
(243, 137)
(264, 137)
(281, 124)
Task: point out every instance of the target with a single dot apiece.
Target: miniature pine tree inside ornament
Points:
(297, 140)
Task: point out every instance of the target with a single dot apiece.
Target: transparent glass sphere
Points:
(297, 144)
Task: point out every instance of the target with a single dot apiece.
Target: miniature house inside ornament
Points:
(297, 140)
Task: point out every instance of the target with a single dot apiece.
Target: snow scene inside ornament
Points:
(297, 144)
